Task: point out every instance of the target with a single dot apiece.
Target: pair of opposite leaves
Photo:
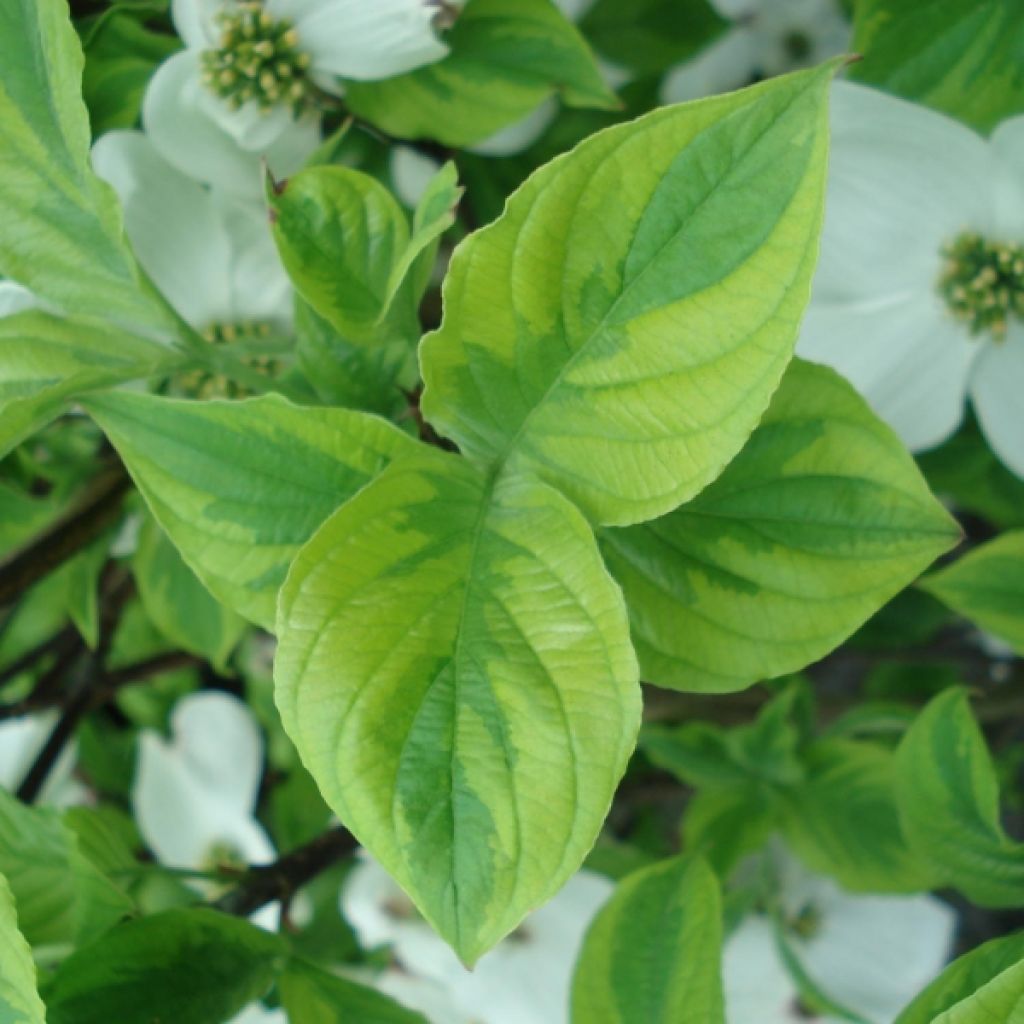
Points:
(455, 663)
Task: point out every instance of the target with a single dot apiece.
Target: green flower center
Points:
(983, 283)
(259, 60)
(807, 922)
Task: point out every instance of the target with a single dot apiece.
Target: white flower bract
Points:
(868, 954)
(767, 38)
(526, 978)
(194, 796)
(209, 252)
(904, 183)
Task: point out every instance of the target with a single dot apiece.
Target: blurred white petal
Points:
(259, 287)
(873, 954)
(516, 137)
(250, 126)
(758, 988)
(411, 173)
(869, 954)
(259, 1014)
(218, 738)
(526, 977)
(171, 223)
(997, 391)
(575, 9)
(357, 40)
(798, 33)
(421, 994)
(196, 21)
(176, 114)
(903, 180)
(721, 67)
(193, 796)
(15, 299)
(1008, 145)
(21, 742)
(906, 355)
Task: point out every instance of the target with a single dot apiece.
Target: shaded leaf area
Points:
(188, 966)
(948, 797)
(960, 57)
(815, 525)
(19, 1001)
(987, 587)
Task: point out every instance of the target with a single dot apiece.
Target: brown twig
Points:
(117, 587)
(96, 509)
(264, 884)
(107, 685)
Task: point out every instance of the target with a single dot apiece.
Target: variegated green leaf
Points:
(341, 235)
(62, 233)
(964, 977)
(819, 521)
(454, 667)
(19, 1000)
(620, 329)
(46, 361)
(240, 486)
(959, 56)
(948, 797)
(653, 954)
(987, 586)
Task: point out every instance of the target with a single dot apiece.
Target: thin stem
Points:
(118, 588)
(59, 644)
(107, 685)
(264, 884)
(97, 508)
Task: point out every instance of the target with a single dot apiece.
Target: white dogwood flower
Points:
(524, 980)
(868, 954)
(767, 37)
(919, 292)
(210, 253)
(249, 80)
(194, 796)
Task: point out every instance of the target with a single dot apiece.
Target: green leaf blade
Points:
(964, 977)
(46, 361)
(313, 996)
(585, 335)
(987, 587)
(959, 56)
(19, 1000)
(454, 668)
(136, 973)
(819, 521)
(653, 953)
(62, 897)
(507, 57)
(240, 486)
(948, 800)
(63, 236)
